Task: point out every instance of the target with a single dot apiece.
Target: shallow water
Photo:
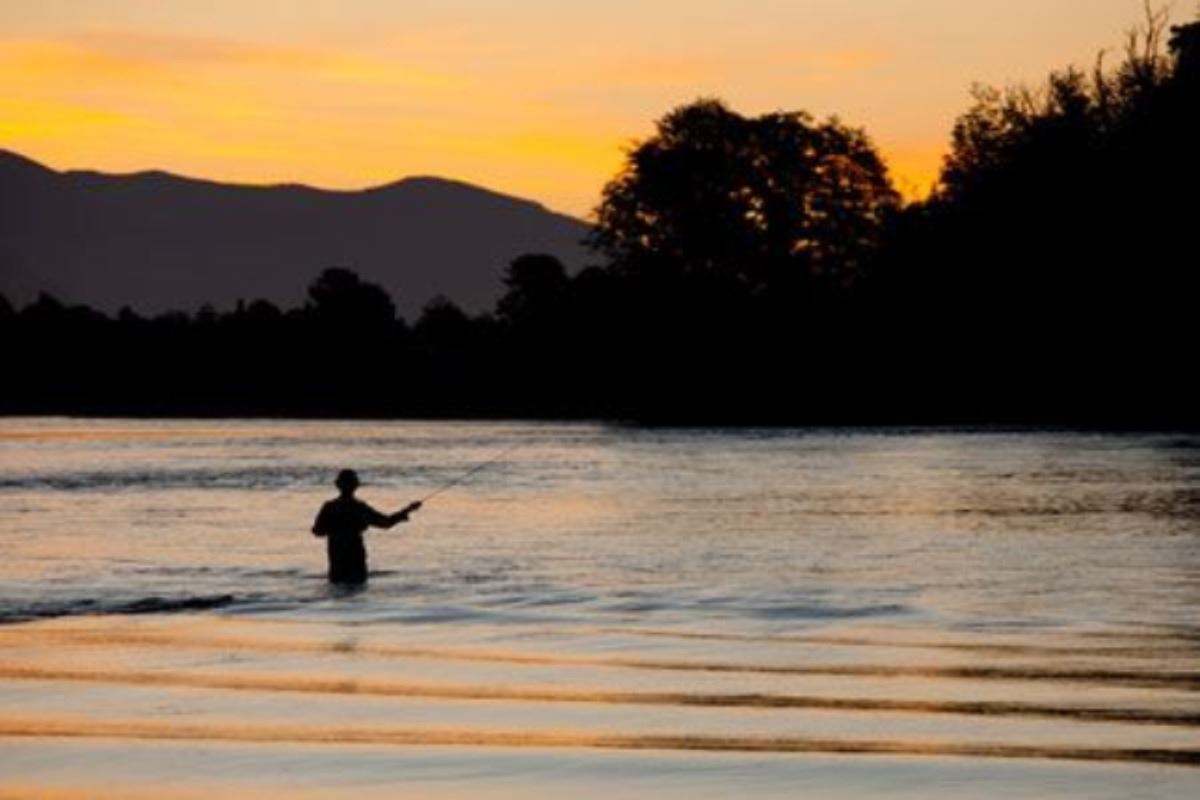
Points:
(1008, 614)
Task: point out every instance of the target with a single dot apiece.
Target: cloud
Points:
(29, 62)
(129, 56)
(22, 119)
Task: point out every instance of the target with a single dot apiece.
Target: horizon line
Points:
(241, 184)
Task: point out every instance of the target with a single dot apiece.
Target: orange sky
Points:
(531, 97)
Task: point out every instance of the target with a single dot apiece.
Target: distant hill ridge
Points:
(156, 241)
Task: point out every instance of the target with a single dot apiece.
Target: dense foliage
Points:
(1057, 262)
(769, 205)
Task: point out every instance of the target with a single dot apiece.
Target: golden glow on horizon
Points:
(536, 101)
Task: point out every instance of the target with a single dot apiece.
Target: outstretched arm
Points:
(385, 521)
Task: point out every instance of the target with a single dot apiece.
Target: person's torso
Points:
(345, 519)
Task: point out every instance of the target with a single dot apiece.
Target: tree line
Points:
(754, 270)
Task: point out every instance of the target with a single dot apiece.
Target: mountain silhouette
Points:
(156, 241)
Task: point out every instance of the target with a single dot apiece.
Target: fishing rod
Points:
(466, 475)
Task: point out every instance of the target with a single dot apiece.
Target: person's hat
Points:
(347, 480)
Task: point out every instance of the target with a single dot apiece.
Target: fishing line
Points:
(469, 473)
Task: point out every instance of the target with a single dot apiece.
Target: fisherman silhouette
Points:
(343, 520)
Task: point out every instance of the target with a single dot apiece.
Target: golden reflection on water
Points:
(67, 727)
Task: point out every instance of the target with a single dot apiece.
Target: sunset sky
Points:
(536, 98)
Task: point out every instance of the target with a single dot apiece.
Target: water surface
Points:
(747, 611)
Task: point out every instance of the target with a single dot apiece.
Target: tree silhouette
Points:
(1185, 44)
(1051, 269)
(443, 324)
(537, 295)
(1069, 185)
(775, 202)
(339, 297)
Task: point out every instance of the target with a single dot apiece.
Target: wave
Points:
(1164, 645)
(215, 478)
(333, 685)
(232, 573)
(50, 609)
(43, 727)
(1185, 680)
